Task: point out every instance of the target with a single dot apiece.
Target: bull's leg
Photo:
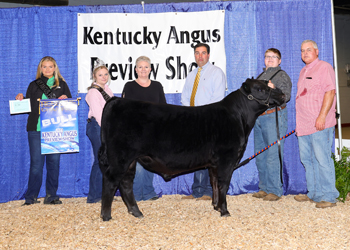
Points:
(214, 184)
(127, 193)
(224, 179)
(108, 191)
(222, 204)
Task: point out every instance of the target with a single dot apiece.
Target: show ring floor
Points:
(172, 223)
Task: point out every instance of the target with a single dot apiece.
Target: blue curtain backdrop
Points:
(251, 27)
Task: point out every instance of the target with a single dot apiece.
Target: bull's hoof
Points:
(227, 214)
(137, 214)
(217, 209)
(106, 218)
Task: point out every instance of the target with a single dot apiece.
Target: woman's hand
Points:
(19, 97)
(62, 97)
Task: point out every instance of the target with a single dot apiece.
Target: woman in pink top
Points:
(96, 102)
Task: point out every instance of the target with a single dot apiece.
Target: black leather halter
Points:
(251, 97)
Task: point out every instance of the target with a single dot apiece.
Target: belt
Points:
(270, 111)
(90, 119)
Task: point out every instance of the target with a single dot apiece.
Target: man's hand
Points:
(271, 85)
(320, 122)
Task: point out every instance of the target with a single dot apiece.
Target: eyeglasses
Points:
(272, 57)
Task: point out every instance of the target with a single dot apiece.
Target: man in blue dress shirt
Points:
(211, 87)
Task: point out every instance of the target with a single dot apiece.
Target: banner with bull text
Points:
(166, 38)
(59, 126)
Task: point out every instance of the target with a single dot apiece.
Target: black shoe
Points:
(53, 202)
(28, 203)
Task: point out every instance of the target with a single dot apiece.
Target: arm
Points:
(96, 105)
(161, 95)
(66, 91)
(284, 84)
(186, 94)
(326, 106)
(20, 96)
(219, 86)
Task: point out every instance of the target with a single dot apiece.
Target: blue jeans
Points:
(201, 184)
(315, 154)
(268, 162)
(143, 184)
(37, 161)
(93, 131)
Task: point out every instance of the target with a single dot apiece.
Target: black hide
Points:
(172, 140)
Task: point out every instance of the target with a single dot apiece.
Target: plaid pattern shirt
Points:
(315, 80)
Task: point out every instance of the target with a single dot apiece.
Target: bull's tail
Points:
(102, 158)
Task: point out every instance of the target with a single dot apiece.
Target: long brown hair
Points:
(56, 73)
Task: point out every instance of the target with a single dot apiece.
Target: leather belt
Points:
(270, 111)
(90, 119)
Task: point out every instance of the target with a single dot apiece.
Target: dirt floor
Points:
(172, 223)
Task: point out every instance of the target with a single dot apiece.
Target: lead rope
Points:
(279, 146)
(262, 150)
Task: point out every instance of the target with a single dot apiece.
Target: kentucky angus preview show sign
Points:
(166, 38)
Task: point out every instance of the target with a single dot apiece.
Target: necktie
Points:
(195, 86)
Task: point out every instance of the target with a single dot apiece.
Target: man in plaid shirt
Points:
(315, 121)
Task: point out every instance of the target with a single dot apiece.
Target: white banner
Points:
(166, 38)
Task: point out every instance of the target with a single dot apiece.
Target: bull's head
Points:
(257, 90)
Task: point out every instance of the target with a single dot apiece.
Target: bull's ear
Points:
(246, 87)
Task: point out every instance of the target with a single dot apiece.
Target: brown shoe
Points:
(204, 198)
(302, 198)
(260, 194)
(325, 204)
(187, 197)
(271, 197)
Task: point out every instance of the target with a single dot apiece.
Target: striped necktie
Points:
(195, 86)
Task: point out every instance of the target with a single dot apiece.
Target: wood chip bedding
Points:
(172, 223)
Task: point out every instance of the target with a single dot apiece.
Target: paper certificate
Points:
(17, 106)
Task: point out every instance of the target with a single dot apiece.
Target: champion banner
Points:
(166, 38)
(59, 126)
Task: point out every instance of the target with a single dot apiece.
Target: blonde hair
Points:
(143, 59)
(94, 73)
(56, 73)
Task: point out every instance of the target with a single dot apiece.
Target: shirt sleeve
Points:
(219, 86)
(329, 80)
(96, 105)
(186, 92)
(28, 92)
(285, 85)
(125, 90)
(161, 94)
(67, 91)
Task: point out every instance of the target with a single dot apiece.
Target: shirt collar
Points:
(309, 66)
(205, 65)
(272, 68)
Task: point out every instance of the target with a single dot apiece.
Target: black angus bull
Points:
(171, 140)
